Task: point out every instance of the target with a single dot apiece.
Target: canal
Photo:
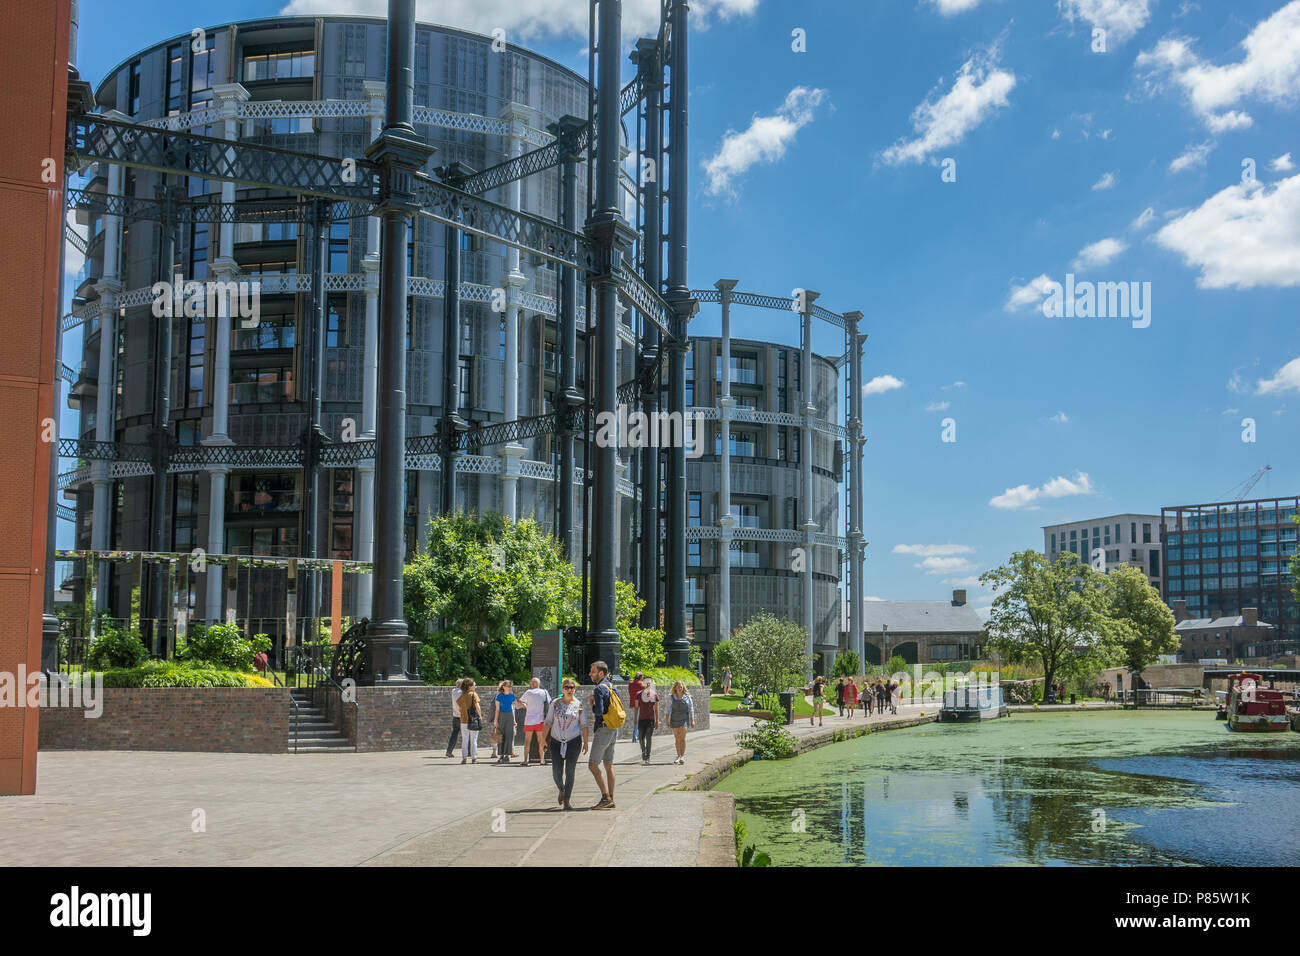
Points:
(1114, 788)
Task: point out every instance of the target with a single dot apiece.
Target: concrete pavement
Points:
(124, 808)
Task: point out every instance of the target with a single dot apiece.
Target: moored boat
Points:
(1252, 707)
(971, 702)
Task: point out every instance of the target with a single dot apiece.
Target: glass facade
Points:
(1220, 558)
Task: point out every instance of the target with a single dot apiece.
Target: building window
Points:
(133, 88)
(175, 86)
(693, 509)
(252, 385)
(465, 367)
(264, 493)
(338, 246)
(336, 333)
(279, 66)
(744, 554)
(693, 553)
(1146, 533)
(690, 378)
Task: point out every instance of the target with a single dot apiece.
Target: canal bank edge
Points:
(712, 773)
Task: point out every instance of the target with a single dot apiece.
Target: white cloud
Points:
(524, 21)
(1099, 253)
(1226, 122)
(1024, 496)
(765, 140)
(1235, 384)
(945, 565)
(1144, 219)
(950, 7)
(957, 384)
(932, 550)
(970, 582)
(1282, 164)
(978, 88)
(1059, 418)
(1056, 134)
(1105, 134)
(1106, 182)
(1269, 70)
(937, 407)
(1121, 19)
(1286, 379)
(1246, 235)
(1192, 156)
(872, 597)
(880, 384)
(1031, 293)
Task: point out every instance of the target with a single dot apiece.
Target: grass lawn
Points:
(730, 703)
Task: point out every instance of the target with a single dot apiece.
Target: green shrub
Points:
(665, 676)
(768, 739)
(223, 646)
(170, 674)
(846, 665)
(114, 648)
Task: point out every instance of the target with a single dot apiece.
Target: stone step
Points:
(311, 739)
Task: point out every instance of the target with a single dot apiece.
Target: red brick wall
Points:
(34, 78)
(195, 719)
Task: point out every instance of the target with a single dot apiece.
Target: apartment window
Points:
(782, 392)
(338, 247)
(693, 553)
(175, 87)
(1074, 533)
(1154, 570)
(336, 322)
(690, 378)
(252, 385)
(693, 509)
(279, 66)
(744, 554)
(794, 445)
(133, 88)
(1132, 532)
(264, 493)
(465, 367)
(1117, 538)
(1146, 533)
(201, 65)
(780, 444)
(1053, 542)
(185, 512)
(268, 541)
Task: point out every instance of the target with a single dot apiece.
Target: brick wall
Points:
(196, 719)
(419, 718)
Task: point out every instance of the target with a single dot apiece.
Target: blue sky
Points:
(822, 169)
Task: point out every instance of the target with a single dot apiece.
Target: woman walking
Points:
(471, 720)
(647, 713)
(504, 719)
(818, 686)
(565, 723)
(851, 697)
(681, 714)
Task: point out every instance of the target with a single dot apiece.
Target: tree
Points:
(770, 652)
(1295, 564)
(640, 647)
(846, 665)
(1140, 626)
(484, 576)
(1053, 613)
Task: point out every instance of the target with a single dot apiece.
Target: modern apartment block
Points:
(1225, 557)
(315, 85)
(766, 552)
(1124, 539)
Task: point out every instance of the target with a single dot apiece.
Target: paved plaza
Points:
(415, 808)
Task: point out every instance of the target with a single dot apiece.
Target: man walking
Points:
(634, 688)
(603, 736)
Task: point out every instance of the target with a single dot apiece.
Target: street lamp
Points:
(884, 645)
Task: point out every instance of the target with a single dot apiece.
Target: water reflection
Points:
(1114, 789)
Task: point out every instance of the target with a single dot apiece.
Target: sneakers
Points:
(645, 763)
(463, 759)
(605, 803)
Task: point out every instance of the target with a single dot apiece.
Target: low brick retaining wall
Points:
(194, 719)
(419, 717)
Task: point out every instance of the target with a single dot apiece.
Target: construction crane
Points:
(1248, 484)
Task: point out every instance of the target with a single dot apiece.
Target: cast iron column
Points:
(162, 401)
(567, 399)
(856, 530)
(313, 355)
(726, 520)
(401, 154)
(676, 645)
(649, 61)
(452, 425)
(612, 237)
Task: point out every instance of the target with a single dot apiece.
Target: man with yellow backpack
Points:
(608, 714)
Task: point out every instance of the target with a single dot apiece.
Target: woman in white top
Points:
(566, 721)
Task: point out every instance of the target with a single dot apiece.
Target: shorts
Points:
(602, 745)
(534, 728)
